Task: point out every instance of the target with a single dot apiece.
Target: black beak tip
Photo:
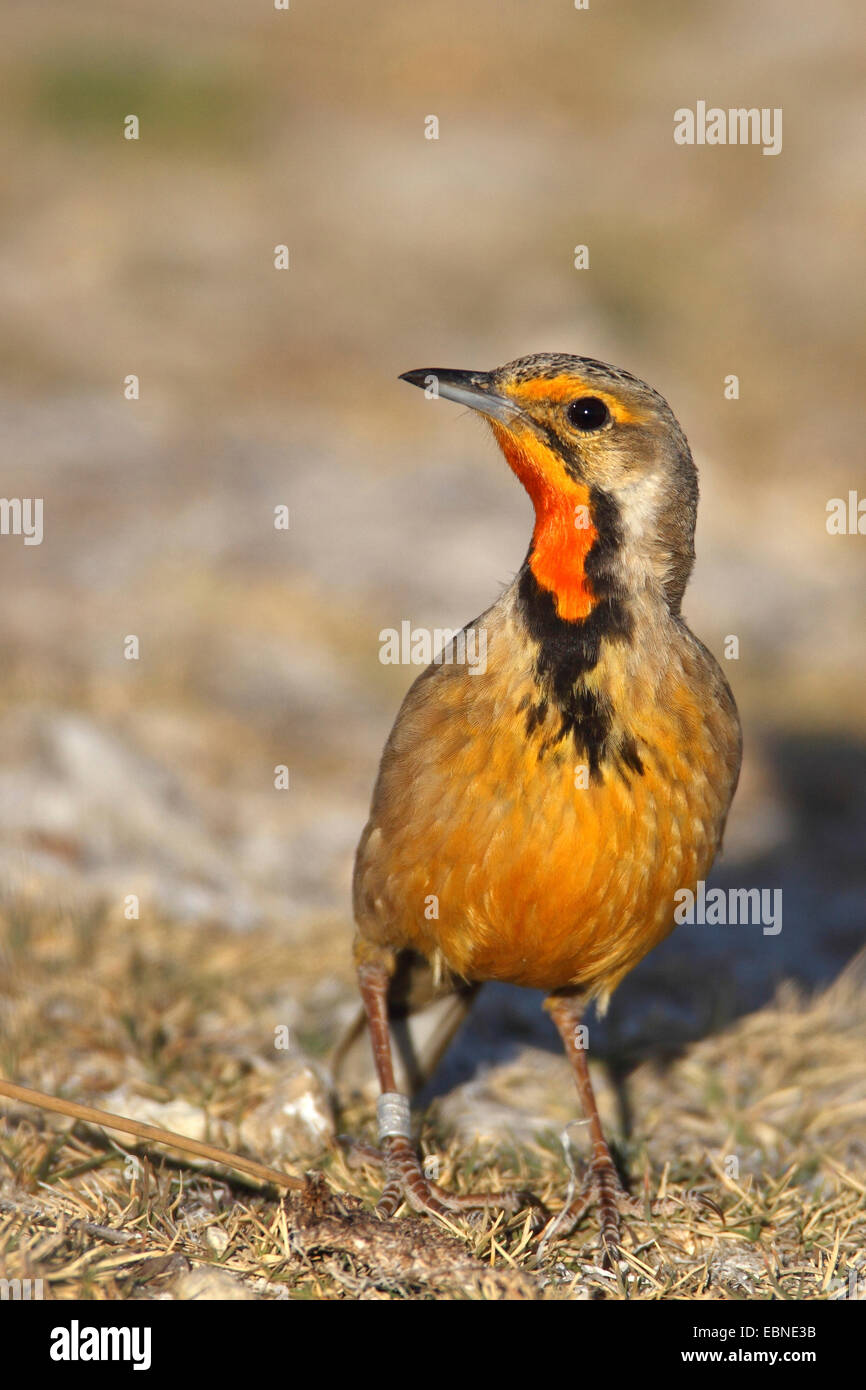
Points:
(416, 378)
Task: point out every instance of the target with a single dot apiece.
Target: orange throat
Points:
(564, 532)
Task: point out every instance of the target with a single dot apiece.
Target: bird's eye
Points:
(587, 413)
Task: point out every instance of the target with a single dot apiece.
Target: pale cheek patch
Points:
(639, 505)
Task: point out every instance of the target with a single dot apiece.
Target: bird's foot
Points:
(603, 1189)
(406, 1181)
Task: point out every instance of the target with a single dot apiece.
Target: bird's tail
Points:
(424, 1011)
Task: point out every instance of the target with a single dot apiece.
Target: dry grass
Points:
(88, 1007)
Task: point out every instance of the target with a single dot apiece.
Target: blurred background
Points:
(261, 387)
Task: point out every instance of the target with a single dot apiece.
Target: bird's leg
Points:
(404, 1177)
(602, 1183)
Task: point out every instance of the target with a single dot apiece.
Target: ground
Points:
(781, 1090)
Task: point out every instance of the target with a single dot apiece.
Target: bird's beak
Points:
(474, 389)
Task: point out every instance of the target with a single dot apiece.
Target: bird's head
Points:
(607, 468)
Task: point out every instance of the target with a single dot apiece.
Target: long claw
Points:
(405, 1181)
(602, 1188)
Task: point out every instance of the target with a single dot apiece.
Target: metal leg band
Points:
(392, 1113)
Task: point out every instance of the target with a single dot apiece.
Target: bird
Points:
(535, 814)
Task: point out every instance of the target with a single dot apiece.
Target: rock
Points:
(191, 1121)
(517, 1102)
(296, 1120)
(208, 1284)
(217, 1239)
